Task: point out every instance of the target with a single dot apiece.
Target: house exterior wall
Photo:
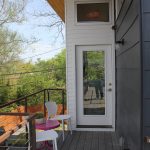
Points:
(128, 75)
(146, 69)
(81, 34)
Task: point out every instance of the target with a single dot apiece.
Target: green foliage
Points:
(11, 45)
(51, 73)
(94, 65)
(18, 140)
(8, 108)
(3, 95)
(39, 115)
(12, 11)
(10, 49)
(53, 76)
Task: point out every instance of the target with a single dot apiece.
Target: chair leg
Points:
(55, 143)
(70, 127)
(63, 128)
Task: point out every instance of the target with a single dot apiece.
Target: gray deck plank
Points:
(85, 140)
(60, 142)
(74, 142)
(115, 141)
(108, 141)
(81, 142)
(95, 141)
(101, 141)
(88, 141)
(68, 141)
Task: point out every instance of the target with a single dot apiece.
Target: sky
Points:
(46, 37)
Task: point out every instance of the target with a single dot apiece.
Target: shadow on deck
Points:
(83, 140)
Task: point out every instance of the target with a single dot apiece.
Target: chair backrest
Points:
(51, 108)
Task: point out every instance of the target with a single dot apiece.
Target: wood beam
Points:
(59, 7)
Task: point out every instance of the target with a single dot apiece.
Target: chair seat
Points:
(62, 117)
(46, 135)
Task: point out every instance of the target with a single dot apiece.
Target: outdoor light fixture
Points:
(120, 42)
(147, 139)
(117, 47)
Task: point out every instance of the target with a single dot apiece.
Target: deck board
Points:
(108, 141)
(95, 141)
(74, 142)
(101, 140)
(83, 140)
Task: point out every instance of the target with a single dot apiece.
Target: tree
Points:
(94, 65)
(53, 22)
(10, 46)
(11, 11)
(52, 75)
(59, 65)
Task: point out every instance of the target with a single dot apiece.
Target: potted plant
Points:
(39, 119)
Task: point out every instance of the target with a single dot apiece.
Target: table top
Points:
(49, 124)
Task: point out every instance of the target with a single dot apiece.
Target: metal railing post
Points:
(32, 133)
(26, 105)
(44, 102)
(63, 100)
(48, 95)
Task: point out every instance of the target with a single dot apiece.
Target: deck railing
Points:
(46, 96)
(8, 139)
(15, 126)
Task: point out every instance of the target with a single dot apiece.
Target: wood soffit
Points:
(58, 6)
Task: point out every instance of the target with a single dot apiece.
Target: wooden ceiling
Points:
(58, 6)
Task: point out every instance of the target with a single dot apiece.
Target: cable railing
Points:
(46, 97)
(19, 137)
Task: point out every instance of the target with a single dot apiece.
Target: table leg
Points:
(42, 146)
(45, 145)
(63, 129)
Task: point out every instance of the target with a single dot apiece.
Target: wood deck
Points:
(83, 140)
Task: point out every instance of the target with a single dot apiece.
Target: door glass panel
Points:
(94, 82)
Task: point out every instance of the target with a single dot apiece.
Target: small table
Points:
(48, 125)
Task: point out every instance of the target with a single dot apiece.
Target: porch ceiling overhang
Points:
(59, 7)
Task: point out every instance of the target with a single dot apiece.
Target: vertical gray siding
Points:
(128, 75)
(146, 69)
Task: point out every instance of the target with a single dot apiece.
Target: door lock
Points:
(109, 89)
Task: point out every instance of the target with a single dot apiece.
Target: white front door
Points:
(94, 85)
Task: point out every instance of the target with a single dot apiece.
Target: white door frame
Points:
(109, 117)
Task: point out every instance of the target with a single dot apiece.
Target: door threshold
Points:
(94, 126)
(95, 129)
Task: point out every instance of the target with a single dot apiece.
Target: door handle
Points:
(110, 89)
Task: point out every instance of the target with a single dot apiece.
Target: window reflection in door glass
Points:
(94, 82)
(93, 12)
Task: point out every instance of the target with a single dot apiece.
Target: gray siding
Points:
(128, 75)
(146, 69)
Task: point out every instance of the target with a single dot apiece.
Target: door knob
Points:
(109, 89)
